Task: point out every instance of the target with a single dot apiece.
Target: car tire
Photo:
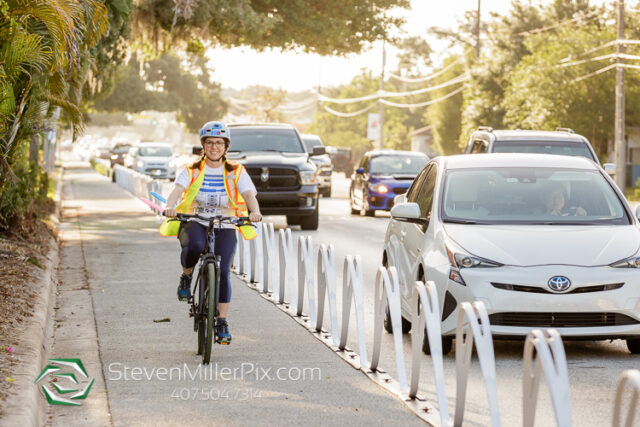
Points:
(447, 344)
(406, 325)
(310, 222)
(293, 220)
(633, 344)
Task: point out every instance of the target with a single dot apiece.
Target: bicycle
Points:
(207, 283)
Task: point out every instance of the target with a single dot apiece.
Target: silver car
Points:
(322, 162)
(155, 159)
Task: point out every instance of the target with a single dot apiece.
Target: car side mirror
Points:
(406, 212)
(318, 151)
(197, 150)
(359, 171)
(610, 169)
(400, 198)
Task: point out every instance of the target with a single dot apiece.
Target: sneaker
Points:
(222, 332)
(184, 288)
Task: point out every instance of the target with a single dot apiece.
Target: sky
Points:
(293, 71)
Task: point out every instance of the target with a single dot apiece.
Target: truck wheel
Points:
(293, 220)
(310, 222)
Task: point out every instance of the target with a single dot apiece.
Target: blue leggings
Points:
(193, 237)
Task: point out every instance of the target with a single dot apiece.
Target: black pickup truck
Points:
(280, 168)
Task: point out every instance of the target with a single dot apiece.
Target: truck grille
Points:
(561, 320)
(278, 179)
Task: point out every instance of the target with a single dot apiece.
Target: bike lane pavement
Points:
(274, 372)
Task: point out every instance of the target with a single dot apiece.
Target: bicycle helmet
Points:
(216, 130)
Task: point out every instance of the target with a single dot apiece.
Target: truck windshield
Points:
(252, 139)
(545, 147)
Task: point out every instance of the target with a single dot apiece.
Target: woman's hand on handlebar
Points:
(255, 217)
(170, 212)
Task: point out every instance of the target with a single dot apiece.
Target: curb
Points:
(25, 406)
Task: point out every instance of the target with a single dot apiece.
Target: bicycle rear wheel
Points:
(210, 308)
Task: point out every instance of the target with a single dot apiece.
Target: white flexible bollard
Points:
(326, 271)
(551, 361)
(425, 297)
(632, 377)
(286, 268)
(388, 291)
(352, 289)
(246, 257)
(305, 276)
(257, 273)
(269, 255)
(478, 322)
(241, 253)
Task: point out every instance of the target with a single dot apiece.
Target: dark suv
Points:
(281, 170)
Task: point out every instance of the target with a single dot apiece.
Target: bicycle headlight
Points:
(308, 177)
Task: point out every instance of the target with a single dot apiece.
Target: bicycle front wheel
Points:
(210, 308)
(200, 313)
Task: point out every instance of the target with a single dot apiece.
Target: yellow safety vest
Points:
(171, 228)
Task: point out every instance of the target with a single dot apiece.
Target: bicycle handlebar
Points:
(237, 221)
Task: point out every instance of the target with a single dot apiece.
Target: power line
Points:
(355, 113)
(426, 78)
(423, 104)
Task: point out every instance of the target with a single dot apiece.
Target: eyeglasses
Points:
(218, 144)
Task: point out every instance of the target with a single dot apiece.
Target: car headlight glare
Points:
(379, 188)
(633, 262)
(172, 164)
(140, 163)
(308, 177)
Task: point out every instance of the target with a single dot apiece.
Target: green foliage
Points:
(195, 98)
(19, 196)
(325, 27)
(445, 117)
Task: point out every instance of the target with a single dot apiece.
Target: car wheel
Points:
(406, 325)
(633, 344)
(353, 211)
(293, 220)
(447, 345)
(310, 222)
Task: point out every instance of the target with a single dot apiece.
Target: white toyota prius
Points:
(542, 240)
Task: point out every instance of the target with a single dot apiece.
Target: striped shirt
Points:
(212, 198)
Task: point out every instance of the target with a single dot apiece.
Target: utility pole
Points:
(477, 31)
(620, 142)
(381, 118)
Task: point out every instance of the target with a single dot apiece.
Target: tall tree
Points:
(325, 27)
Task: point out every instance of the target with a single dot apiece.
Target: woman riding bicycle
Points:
(211, 186)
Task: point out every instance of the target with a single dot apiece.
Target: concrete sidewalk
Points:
(274, 372)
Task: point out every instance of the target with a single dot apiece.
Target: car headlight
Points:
(140, 163)
(379, 188)
(308, 177)
(114, 156)
(459, 259)
(632, 262)
(172, 164)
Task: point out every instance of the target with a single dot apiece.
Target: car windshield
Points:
(155, 151)
(310, 143)
(397, 165)
(544, 147)
(120, 149)
(530, 196)
(280, 140)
